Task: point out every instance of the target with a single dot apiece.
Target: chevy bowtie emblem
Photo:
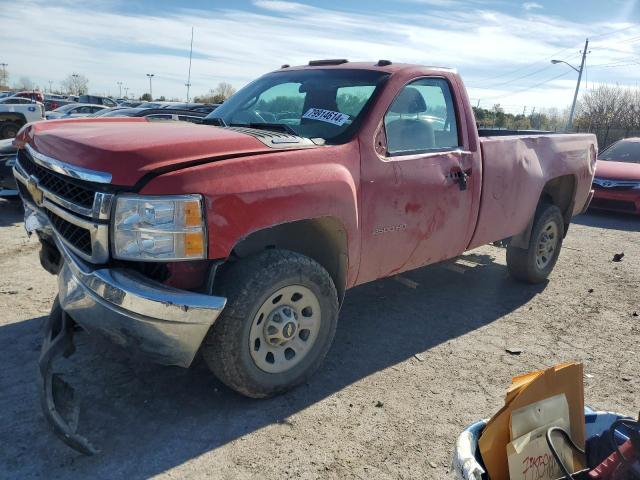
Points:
(36, 193)
(606, 183)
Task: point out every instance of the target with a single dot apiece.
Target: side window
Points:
(422, 118)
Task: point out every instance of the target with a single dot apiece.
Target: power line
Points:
(622, 65)
(614, 31)
(522, 76)
(530, 87)
(525, 67)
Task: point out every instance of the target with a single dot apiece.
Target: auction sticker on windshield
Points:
(328, 116)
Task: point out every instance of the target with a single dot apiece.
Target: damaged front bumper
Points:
(164, 324)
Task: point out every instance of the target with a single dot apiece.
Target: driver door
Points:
(418, 183)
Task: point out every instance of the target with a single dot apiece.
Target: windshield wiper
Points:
(281, 127)
(217, 121)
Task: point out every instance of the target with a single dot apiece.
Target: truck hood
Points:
(129, 148)
(617, 170)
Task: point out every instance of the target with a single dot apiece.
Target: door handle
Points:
(461, 177)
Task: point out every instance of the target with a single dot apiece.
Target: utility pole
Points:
(524, 111)
(575, 95)
(150, 75)
(126, 89)
(188, 84)
(120, 86)
(50, 86)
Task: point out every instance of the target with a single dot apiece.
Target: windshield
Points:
(310, 103)
(622, 151)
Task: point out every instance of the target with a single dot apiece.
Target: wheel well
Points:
(14, 117)
(561, 192)
(322, 239)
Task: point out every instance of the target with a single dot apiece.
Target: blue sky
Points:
(502, 48)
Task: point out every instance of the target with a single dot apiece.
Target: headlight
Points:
(159, 228)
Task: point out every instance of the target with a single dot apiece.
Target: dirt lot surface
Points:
(410, 367)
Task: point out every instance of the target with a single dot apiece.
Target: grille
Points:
(79, 237)
(24, 192)
(56, 183)
(609, 204)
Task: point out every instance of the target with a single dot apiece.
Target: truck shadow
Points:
(147, 418)
(611, 220)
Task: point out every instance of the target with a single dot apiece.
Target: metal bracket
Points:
(57, 396)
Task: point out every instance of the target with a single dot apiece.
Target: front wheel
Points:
(278, 325)
(534, 264)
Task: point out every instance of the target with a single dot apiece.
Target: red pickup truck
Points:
(239, 237)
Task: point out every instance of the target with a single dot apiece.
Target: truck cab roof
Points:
(380, 65)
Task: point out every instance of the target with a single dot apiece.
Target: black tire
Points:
(9, 130)
(247, 285)
(522, 263)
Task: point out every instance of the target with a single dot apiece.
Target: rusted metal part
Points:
(57, 396)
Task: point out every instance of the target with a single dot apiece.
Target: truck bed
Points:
(515, 172)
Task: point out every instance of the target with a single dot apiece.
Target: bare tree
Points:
(224, 90)
(219, 94)
(611, 112)
(75, 84)
(24, 83)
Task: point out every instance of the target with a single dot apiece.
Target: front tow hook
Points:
(56, 395)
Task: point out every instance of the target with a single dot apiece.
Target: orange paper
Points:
(525, 390)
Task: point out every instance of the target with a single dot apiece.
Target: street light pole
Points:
(4, 73)
(75, 83)
(120, 86)
(150, 75)
(579, 70)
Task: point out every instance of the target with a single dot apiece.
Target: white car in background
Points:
(74, 110)
(16, 112)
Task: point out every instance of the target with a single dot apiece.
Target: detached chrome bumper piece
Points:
(165, 324)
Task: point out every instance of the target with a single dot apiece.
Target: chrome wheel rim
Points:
(547, 245)
(284, 329)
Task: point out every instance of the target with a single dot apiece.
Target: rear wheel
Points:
(535, 263)
(278, 325)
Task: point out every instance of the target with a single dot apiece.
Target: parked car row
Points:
(8, 151)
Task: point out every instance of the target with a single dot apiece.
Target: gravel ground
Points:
(410, 367)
